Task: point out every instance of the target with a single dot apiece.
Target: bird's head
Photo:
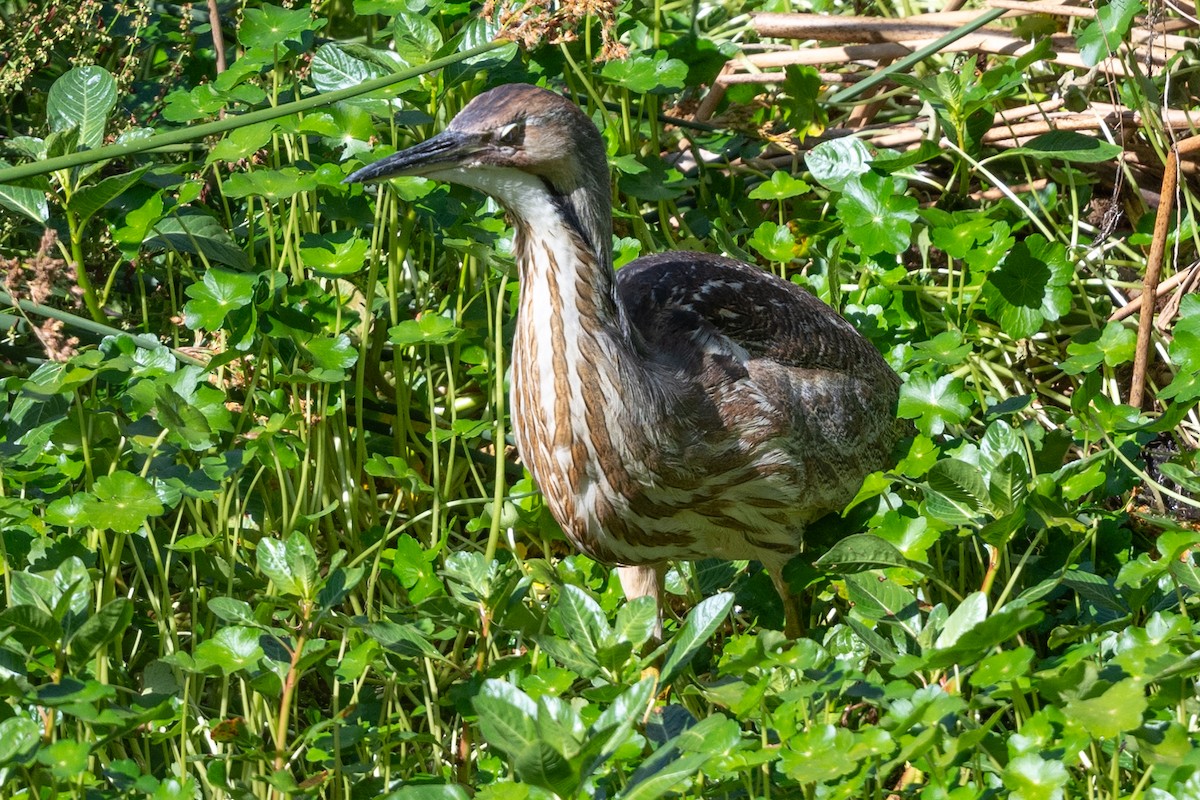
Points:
(512, 127)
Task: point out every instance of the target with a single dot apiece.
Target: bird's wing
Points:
(673, 297)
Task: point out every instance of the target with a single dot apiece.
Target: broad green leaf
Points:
(126, 501)
(970, 612)
(32, 623)
(334, 253)
(877, 218)
(1031, 777)
(1069, 146)
(243, 142)
(291, 565)
(582, 620)
(1113, 346)
(1116, 711)
(90, 199)
(448, 791)
(428, 328)
(934, 403)
(507, 716)
(273, 184)
(413, 566)
(66, 759)
(695, 631)
(72, 512)
(218, 293)
(19, 740)
(975, 643)
(1031, 286)
(642, 73)
(858, 552)
(99, 629)
(774, 242)
(1100, 38)
(269, 26)
(415, 38)
(1002, 667)
(876, 597)
(955, 492)
(230, 609)
(332, 352)
(199, 234)
(406, 640)
(635, 620)
(230, 649)
(24, 200)
(780, 187)
(827, 752)
(82, 98)
(838, 161)
(333, 68)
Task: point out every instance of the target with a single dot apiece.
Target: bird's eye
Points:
(512, 134)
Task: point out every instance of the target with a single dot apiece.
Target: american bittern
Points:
(686, 406)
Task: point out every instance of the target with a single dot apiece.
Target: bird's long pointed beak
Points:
(447, 149)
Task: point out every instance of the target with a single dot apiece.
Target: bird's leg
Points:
(646, 581)
(793, 619)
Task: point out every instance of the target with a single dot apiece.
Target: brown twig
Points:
(1154, 262)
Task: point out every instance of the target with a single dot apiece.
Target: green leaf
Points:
(429, 328)
(230, 609)
(33, 622)
(975, 643)
(934, 403)
(1116, 711)
(970, 612)
(25, 200)
(955, 492)
(780, 187)
(82, 98)
(243, 142)
(1099, 39)
(695, 631)
(635, 620)
(876, 597)
(199, 234)
(774, 242)
(507, 716)
(448, 791)
(230, 649)
(861, 551)
(273, 184)
(72, 512)
(269, 26)
(643, 74)
(126, 501)
(99, 629)
(1002, 667)
(1030, 777)
(582, 620)
(66, 758)
(218, 293)
(334, 254)
(415, 38)
(332, 352)
(1070, 146)
(877, 218)
(837, 162)
(90, 199)
(19, 740)
(1113, 345)
(333, 68)
(1030, 287)
(291, 565)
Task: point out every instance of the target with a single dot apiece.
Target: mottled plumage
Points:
(684, 407)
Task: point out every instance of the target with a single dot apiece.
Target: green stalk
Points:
(854, 90)
(91, 326)
(194, 132)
